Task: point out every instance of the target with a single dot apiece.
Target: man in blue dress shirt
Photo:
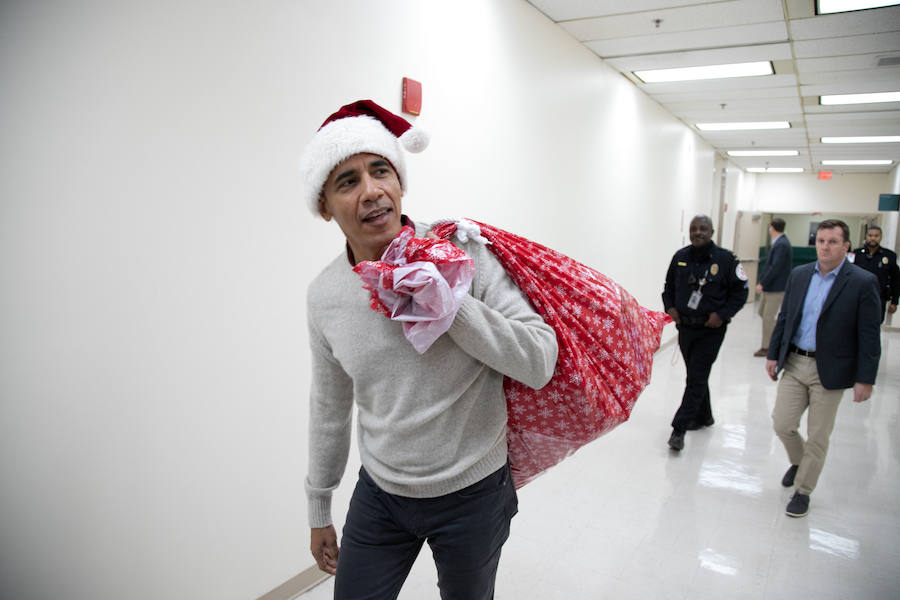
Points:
(827, 340)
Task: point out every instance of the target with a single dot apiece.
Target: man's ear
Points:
(323, 210)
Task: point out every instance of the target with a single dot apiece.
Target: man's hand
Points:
(714, 321)
(892, 308)
(861, 391)
(324, 548)
(759, 289)
(673, 312)
(771, 365)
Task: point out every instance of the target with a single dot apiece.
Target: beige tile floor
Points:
(625, 518)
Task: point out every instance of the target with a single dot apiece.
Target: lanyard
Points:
(702, 281)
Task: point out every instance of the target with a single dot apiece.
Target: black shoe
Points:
(798, 506)
(788, 479)
(709, 422)
(676, 440)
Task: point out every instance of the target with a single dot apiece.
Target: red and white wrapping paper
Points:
(606, 346)
(419, 281)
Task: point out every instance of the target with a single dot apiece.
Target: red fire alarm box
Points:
(412, 96)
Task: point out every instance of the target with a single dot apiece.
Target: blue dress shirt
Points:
(819, 286)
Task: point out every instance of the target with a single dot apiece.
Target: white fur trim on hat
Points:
(339, 140)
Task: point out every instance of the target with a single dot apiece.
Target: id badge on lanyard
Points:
(697, 295)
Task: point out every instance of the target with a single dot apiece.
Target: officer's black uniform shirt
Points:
(883, 263)
(724, 292)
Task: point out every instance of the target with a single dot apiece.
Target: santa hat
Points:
(359, 127)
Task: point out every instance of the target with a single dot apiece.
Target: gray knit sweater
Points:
(428, 424)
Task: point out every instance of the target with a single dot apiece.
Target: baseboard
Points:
(293, 587)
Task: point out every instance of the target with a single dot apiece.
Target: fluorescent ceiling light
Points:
(835, 6)
(834, 99)
(857, 162)
(861, 139)
(750, 69)
(763, 153)
(775, 170)
(739, 126)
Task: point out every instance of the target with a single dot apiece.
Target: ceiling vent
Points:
(887, 61)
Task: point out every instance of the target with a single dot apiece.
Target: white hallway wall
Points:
(796, 193)
(153, 364)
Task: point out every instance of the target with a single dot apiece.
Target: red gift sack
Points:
(606, 346)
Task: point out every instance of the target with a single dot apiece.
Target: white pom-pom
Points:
(465, 229)
(415, 139)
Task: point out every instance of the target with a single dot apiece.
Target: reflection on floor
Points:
(625, 518)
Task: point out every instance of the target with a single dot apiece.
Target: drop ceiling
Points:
(812, 55)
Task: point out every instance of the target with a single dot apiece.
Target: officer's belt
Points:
(694, 321)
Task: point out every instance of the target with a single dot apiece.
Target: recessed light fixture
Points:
(835, 6)
(857, 162)
(861, 139)
(834, 99)
(775, 170)
(740, 126)
(750, 69)
(763, 153)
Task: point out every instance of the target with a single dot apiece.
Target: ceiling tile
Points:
(847, 128)
(677, 20)
(885, 113)
(726, 95)
(845, 63)
(721, 37)
(563, 10)
(848, 45)
(848, 82)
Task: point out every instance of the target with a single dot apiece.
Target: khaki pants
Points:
(769, 303)
(800, 389)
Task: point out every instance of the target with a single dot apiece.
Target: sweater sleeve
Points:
(330, 421)
(497, 325)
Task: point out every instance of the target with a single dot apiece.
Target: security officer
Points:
(705, 287)
(883, 263)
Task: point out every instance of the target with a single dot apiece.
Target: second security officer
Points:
(882, 263)
(705, 287)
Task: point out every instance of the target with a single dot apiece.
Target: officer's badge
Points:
(714, 269)
(739, 272)
(884, 260)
